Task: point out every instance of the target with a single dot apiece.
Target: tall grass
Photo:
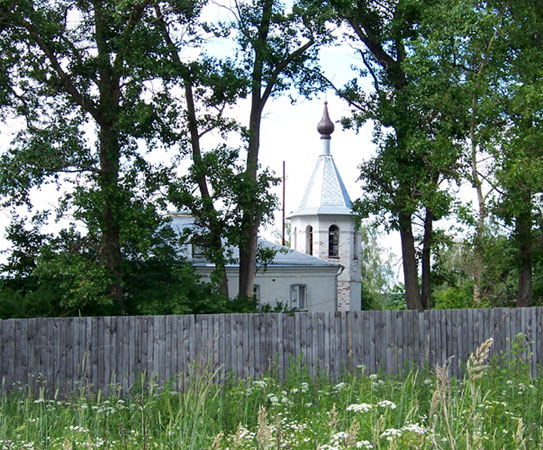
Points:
(495, 406)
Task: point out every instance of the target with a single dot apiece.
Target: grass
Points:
(496, 406)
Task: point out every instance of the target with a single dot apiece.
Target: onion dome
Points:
(325, 127)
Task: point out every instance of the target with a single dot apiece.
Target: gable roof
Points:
(284, 256)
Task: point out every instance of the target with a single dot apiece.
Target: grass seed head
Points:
(477, 360)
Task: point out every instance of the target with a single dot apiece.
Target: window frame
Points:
(333, 241)
(299, 295)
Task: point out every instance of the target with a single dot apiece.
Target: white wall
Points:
(276, 282)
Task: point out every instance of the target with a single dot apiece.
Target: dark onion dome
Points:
(325, 127)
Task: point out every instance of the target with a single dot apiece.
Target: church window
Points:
(298, 296)
(309, 240)
(197, 251)
(333, 241)
(295, 238)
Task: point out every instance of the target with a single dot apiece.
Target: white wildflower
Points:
(414, 428)
(340, 436)
(391, 432)
(387, 404)
(362, 407)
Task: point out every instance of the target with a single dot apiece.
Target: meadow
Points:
(495, 406)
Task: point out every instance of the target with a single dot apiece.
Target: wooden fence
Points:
(65, 353)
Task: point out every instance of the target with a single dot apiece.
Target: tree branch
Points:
(280, 67)
(85, 102)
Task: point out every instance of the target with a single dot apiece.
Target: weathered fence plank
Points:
(68, 353)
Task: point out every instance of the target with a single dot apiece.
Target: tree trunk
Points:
(210, 214)
(251, 210)
(251, 214)
(108, 181)
(524, 238)
(109, 155)
(478, 270)
(411, 281)
(426, 258)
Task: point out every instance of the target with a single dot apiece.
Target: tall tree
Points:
(279, 48)
(520, 163)
(408, 177)
(72, 64)
(209, 86)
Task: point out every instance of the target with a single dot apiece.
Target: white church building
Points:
(322, 271)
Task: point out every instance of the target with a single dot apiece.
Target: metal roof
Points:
(325, 192)
(284, 257)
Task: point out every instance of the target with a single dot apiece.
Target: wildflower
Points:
(338, 387)
(414, 428)
(273, 399)
(364, 444)
(387, 404)
(339, 436)
(373, 377)
(78, 429)
(304, 387)
(362, 407)
(391, 432)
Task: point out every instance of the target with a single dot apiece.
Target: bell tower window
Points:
(333, 241)
(309, 240)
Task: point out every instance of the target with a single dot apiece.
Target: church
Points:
(321, 272)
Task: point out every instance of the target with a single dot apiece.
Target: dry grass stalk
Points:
(520, 440)
(441, 398)
(477, 361)
(238, 436)
(217, 441)
(333, 419)
(278, 430)
(352, 435)
(264, 433)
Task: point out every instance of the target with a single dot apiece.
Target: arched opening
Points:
(309, 240)
(333, 241)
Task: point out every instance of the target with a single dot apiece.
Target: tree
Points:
(417, 155)
(209, 86)
(520, 163)
(489, 64)
(71, 65)
(377, 271)
(278, 48)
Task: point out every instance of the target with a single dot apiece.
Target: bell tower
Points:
(323, 224)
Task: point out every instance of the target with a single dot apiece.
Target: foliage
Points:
(55, 276)
(377, 272)
(493, 406)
